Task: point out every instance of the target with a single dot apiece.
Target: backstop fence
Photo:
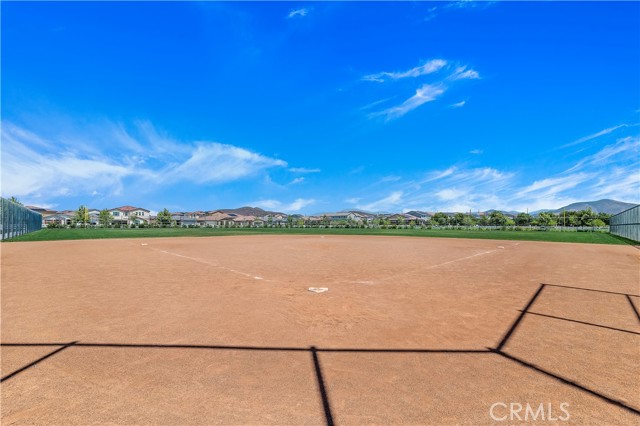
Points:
(626, 224)
(17, 220)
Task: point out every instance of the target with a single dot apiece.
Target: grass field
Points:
(551, 236)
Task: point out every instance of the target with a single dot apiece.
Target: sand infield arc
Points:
(412, 330)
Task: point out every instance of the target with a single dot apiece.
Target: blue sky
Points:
(314, 107)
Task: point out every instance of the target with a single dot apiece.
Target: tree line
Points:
(567, 218)
(578, 218)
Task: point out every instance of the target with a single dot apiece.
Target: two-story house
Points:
(126, 215)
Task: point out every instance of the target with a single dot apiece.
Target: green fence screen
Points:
(17, 220)
(626, 224)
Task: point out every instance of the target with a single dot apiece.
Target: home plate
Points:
(318, 289)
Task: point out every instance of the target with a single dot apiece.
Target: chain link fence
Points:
(626, 224)
(17, 220)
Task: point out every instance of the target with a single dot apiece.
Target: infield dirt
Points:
(223, 330)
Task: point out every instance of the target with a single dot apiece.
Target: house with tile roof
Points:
(126, 215)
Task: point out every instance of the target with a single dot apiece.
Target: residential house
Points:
(362, 217)
(216, 219)
(57, 219)
(275, 219)
(242, 221)
(402, 219)
(184, 218)
(94, 216)
(128, 214)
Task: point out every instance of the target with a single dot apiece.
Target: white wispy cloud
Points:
(621, 184)
(267, 204)
(594, 135)
(390, 178)
(450, 194)
(298, 13)
(428, 67)
(613, 171)
(375, 103)
(458, 188)
(476, 151)
(444, 7)
(627, 146)
(426, 93)
(294, 206)
(303, 170)
(297, 180)
(31, 168)
(440, 174)
(555, 185)
(299, 204)
(42, 167)
(388, 202)
(463, 73)
(212, 162)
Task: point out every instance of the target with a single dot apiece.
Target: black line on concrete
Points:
(416, 351)
(523, 312)
(37, 361)
(576, 385)
(323, 391)
(250, 348)
(633, 306)
(591, 289)
(585, 323)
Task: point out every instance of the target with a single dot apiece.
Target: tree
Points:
(15, 200)
(586, 216)
(458, 219)
(439, 219)
(547, 219)
(598, 223)
(523, 219)
(164, 217)
(104, 218)
(468, 220)
(497, 218)
(82, 215)
(604, 217)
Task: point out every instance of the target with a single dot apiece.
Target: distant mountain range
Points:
(601, 206)
(250, 211)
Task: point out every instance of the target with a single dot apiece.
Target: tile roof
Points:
(128, 208)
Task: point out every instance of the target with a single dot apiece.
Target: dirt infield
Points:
(223, 330)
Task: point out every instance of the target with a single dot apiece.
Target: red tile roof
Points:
(129, 208)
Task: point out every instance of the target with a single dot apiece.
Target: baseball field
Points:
(224, 330)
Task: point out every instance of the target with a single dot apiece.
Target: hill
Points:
(250, 211)
(600, 206)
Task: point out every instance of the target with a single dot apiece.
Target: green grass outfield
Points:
(554, 236)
